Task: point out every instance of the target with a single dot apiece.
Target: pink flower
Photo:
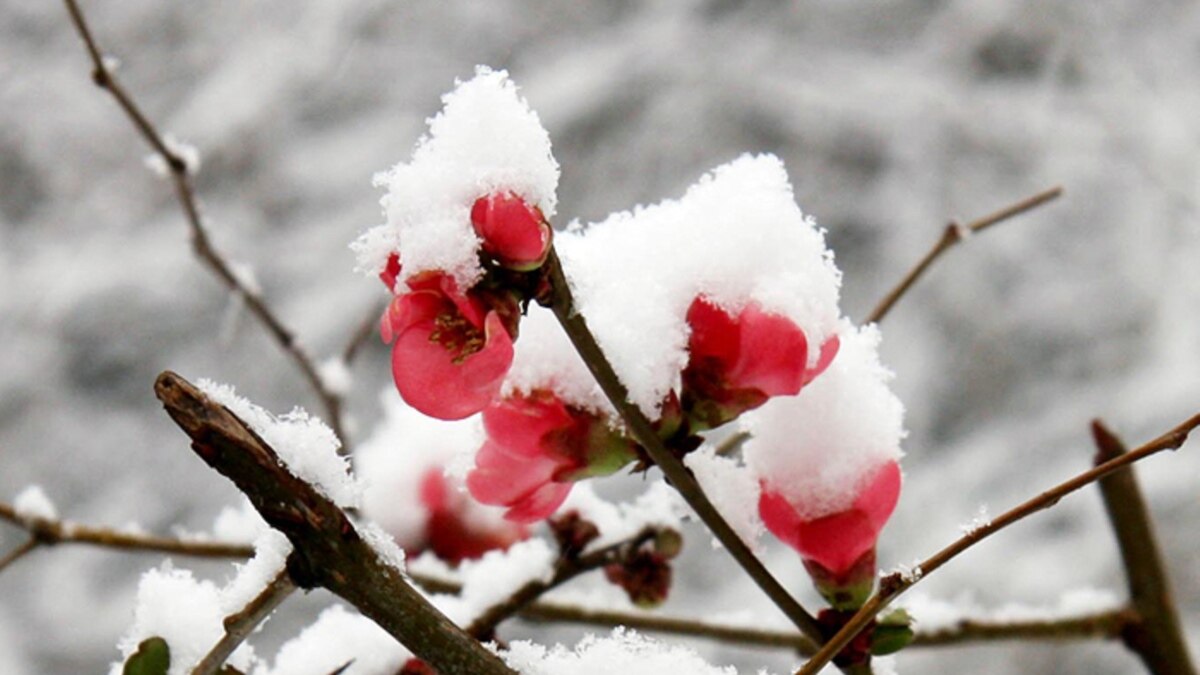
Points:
(737, 362)
(838, 549)
(452, 531)
(391, 271)
(452, 349)
(513, 232)
(536, 447)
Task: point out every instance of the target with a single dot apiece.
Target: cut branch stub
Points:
(329, 552)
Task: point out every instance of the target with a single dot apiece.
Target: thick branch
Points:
(240, 625)
(643, 432)
(105, 78)
(1158, 638)
(51, 532)
(328, 550)
(950, 236)
(892, 586)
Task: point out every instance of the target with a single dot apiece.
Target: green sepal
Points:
(893, 632)
(153, 657)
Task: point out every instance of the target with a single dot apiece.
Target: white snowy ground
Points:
(891, 118)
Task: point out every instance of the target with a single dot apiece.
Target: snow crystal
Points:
(981, 520)
(402, 449)
(732, 488)
(184, 151)
(825, 442)
(337, 637)
(624, 652)
(271, 550)
(735, 236)
(304, 444)
(659, 506)
(910, 573)
(32, 502)
(485, 140)
(336, 376)
(383, 544)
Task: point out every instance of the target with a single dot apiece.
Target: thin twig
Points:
(50, 532)
(19, 552)
(891, 586)
(581, 337)
(105, 78)
(951, 236)
(328, 550)
(565, 569)
(239, 625)
(366, 328)
(1158, 638)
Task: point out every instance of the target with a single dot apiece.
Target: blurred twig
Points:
(891, 586)
(565, 569)
(576, 328)
(105, 78)
(953, 234)
(364, 331)
(239, 625)
(19, 552)
(49, 532)
(328, 550)
(1157, 637)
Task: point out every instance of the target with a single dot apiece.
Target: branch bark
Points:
(1157, 638)
(328, 550)
(892, 586)
(952, 235)
(238, 626)
(575, 326)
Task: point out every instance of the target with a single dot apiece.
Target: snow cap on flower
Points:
(485, 141)
(831, 453)
(736, 237)
(408, 465)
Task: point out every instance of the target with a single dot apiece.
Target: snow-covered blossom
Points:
(737, 361)
(536, 446)
(827, 461)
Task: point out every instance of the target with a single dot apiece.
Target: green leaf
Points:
(153, 657)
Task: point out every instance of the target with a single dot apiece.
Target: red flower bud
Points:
(513, 232)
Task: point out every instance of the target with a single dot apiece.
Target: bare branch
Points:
(50, 532)
(581, 337)
(366, 328)
(238, 626)
(19, 552)
(1158, 637)
(106, 79)
(951, 236)
(328, 550)
(565, 569)
(892, 586)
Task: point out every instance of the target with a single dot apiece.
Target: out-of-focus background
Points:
(892, 117)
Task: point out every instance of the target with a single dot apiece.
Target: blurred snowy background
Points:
(892, 117)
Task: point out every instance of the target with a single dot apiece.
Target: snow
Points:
(394, 459)
(239, 524)
(336, 375)
(658, 506)
(981, 520)
(305, 445)
(623, 651)
(336, 637)
(383, 544)
(485, 140)
(821, 445)
(32, 502)
(185, 151)
(271, 550)
(732, 488)
(736, 235)
(545, 359)
(494, 577)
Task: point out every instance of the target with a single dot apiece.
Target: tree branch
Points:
(328, 550)
(19, 552)
(891, 586)
(1158, 637)
(581, 337)
(240, 625)
(105, 78)
(50, 532)
(366, 328)
(952, 235)
(565, 569)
